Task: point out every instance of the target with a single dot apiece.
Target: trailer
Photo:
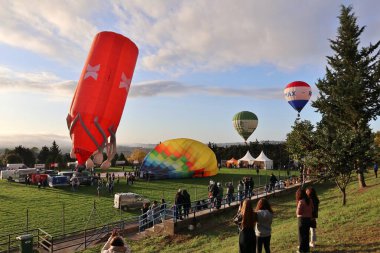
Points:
(5, 174)
(56, 181)
(20, 174)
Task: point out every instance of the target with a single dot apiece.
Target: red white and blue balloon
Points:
(297, 94)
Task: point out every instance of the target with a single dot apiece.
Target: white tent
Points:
(247, 158)
(268, 163)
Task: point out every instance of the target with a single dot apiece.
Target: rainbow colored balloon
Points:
(180, 158)
(297, 94)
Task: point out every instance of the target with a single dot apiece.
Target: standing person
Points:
(186, 203)
(263, 227)
(304, 214)
(230, 193)
(375, 169)
(144, 217)
(247, 237)
(272, 180)
(219, 196)
(312, 194)
(178, 201)
(240, 188)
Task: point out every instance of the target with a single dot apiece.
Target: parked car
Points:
(129, 200)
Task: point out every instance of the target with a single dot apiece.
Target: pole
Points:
(63, 219)
(27, 220)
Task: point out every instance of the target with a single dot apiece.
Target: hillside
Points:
(352, 228)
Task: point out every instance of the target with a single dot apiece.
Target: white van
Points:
(128, 200)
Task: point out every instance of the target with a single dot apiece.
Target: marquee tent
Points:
(247, 158)
(263, 159)
(232, 162)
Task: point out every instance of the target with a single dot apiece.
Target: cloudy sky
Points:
(200, 62)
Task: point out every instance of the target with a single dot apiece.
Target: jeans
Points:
(263, 241)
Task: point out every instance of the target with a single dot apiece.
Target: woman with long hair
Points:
(312, 194)
(263, 228)
(304, 214)
(247, 237)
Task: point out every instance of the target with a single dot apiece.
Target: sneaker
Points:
(312, 244)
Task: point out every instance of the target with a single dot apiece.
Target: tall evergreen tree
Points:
(348, 100)
(43, 155)
(55, 155)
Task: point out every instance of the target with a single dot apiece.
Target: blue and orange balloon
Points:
(297, 94)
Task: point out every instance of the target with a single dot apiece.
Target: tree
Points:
(377, 146)
(348, 100)
(26, 155)
(12, 158)
(43, 155)
(300, 144)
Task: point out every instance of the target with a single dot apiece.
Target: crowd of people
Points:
(255, 225)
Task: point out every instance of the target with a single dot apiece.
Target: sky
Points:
(200, 62)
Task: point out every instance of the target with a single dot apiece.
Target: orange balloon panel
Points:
(101, 93)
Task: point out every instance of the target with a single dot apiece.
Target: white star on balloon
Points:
(92, 71)
(125, 82)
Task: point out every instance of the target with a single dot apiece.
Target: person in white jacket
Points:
(263, 227)
(115, 244)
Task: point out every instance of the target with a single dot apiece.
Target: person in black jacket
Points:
(186, 203)
(312, 194)
(178, 201)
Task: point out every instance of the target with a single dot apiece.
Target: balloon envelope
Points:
(245, 123)
(180, 158)
(100, 96)
(297, 94)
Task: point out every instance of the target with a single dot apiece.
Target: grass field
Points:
(60, 210)
(351, 228)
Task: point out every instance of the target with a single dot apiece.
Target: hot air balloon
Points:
(245, 123)
(180, 158)
(297, 94)
(99, 98)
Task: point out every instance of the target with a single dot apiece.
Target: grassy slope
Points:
(45, 206)
(352, 228)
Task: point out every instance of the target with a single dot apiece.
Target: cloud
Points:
(40, 82)
(59, 30)
(172, 88)
(44, 82)
(178, 36)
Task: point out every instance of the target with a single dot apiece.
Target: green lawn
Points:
(351, 228)
(59, 210)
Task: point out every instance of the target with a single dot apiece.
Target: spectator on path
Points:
(312, 194)
(115, 243)
(186, 203)
(178, 201)
(250, 187)
(304, 214)
(375, 169)
(125, 176)
(219, 196)
(144, 217)
(240, 189)
(263, 227)
(230, 193)
(246, 187)
(247, 237)
(272, 181)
